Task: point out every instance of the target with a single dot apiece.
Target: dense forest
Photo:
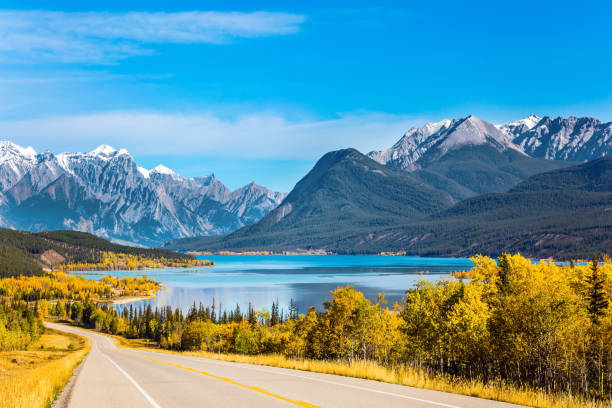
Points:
(26, 253)
(528, 324)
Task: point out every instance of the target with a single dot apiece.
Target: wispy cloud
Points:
(103, 38)
(77, 76)
(258, 135)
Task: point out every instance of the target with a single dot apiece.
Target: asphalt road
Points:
(111, 377)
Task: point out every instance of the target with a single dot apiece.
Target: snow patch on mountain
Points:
(9, 150)
(15, 162)
(528, 123)
(572, 138)
(145, 173)
(161, 169)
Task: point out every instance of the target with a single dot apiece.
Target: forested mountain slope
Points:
(345, 192)
(26, 253)
(563, 213)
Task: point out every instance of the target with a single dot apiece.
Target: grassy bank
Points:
(402, 375)
(33, 378)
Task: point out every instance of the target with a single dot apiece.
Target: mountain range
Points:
(571, 139)
(347, 202)
(454, 187)
(104, 192)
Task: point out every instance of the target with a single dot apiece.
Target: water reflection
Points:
(308, 280)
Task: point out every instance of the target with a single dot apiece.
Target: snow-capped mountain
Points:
(572, 138)
(106, 193)
(468, 156)
(15, 162)
(435, 140)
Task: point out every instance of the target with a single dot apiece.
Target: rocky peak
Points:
(434, 140)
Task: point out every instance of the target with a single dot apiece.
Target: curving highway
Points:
(111, 377)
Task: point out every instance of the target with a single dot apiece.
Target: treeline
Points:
(84, 241)
(537, 324)
(20, 326)
(25, 253)
(58, 285)
(111, 261)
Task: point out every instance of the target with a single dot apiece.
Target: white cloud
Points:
(99, 37)
(258, 135)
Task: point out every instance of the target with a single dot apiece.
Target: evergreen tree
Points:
(237, 315)
(193, 312)
(293, 311)
(252, 317)
(598, 303)
(60, 311)
(213, 314)
(504, 272)
(274, 319)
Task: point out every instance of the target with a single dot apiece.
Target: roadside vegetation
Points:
(35, 363)
(529, 333)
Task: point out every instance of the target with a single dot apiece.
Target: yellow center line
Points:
(229, 380)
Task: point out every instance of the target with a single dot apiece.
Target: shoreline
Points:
(317, 252)
(94, 270)
(124, 300)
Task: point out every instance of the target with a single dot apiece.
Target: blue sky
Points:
(260, 90)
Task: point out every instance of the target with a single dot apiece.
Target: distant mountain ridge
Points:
(464, 157)
(570, 139)
(434, 140)
(104, 192)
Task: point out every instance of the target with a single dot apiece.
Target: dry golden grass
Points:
(33, 378)
(402, 375)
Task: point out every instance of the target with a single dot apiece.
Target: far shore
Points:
(310, 252)
(122, 300)
(314, 252)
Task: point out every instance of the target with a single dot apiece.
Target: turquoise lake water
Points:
(308, 279)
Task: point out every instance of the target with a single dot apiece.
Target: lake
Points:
(308, 279)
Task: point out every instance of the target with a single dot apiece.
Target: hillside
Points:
(472, 170)
(26, 253)
(345, 192)
(566, 213)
